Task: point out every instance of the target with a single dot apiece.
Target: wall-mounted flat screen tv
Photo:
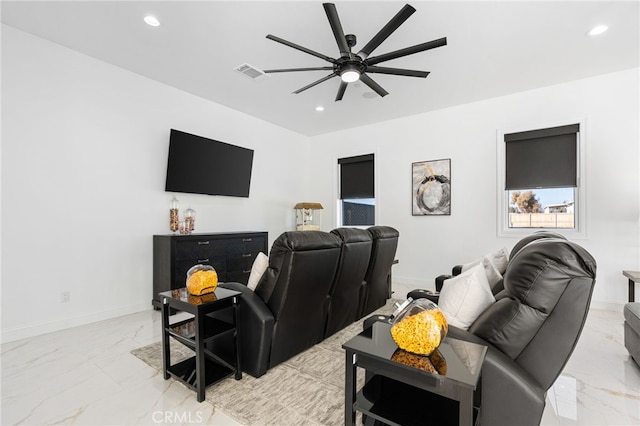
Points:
(199, 165)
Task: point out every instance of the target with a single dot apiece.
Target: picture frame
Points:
(431, 188)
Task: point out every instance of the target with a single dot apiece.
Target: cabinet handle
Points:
(203, 260)
(247, 240)
(203, 243)
(247, 272)
(246, 255)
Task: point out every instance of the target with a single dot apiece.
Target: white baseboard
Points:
(607, 305)
(413, 282)
(37, 329)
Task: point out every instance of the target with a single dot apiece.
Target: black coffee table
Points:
(205, 367)
(404, 389)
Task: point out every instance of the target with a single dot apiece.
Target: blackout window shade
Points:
(356, 177)
(544, 158)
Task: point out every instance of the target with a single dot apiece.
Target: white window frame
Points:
(336, 186)
(502, 207)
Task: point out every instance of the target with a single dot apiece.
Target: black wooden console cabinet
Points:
(231, 254)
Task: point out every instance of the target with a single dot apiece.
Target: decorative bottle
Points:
(173, 214)
(190, 219)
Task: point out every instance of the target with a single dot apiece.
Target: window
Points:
(357, 197)
(539, 176)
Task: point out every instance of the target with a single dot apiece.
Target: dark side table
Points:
(205, 367)
(402, 389)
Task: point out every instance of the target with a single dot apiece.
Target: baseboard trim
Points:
(413, 282)
(44, 327)
(607, 305)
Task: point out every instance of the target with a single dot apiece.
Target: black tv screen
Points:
(199, 165)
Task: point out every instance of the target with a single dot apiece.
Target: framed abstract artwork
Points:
(431, 188)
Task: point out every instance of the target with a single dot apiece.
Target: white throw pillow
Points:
(493, 275)
(471, 264)
(464, 297)
(499, 259)
(257, 270)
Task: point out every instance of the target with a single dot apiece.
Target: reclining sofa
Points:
(532, 328)
(316, 284)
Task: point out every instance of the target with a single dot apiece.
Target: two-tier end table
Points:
(208, 321)
(402, 388)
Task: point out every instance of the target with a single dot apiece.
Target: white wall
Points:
(430, 245)
(84, 151)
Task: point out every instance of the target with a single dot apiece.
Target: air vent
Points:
(251, 72)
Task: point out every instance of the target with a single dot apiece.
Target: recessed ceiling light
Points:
(598, 29)
(319, 108)
(152, 20)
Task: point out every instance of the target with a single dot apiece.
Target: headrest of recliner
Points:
(352, 235)
(533, 237)
(537, 277)
(306, 240)
(382, 232)
(536, 273)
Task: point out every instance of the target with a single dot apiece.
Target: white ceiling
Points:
(494, 48)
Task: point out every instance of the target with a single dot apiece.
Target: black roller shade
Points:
(356, 177)
(544, 158)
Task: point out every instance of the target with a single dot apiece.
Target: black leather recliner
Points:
(532, 331)
(347, 295)
(315, 285)
(287, 313)
(383, 253)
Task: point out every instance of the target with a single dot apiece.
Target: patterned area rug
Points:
(308, 389)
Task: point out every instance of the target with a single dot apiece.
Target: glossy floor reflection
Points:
(600, 384)
(87, 376)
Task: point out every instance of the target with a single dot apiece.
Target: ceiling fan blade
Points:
(386, 31)
(407, 51)
(397, 71)
(299, 69)
(336, 27)
(341, 89)
(373, 85)
(300, 48)
(308, 86)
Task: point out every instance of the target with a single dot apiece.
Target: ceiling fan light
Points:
(350, 75)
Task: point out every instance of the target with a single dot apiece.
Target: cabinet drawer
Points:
(242, 263)
(199, 249)
(240, 246)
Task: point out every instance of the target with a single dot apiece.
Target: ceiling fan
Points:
(353, 67)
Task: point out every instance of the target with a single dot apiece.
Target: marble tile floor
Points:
(87, 376)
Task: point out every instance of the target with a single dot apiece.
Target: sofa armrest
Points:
(255, 329)
(440, 279)
(510, 396)
(456, 270)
